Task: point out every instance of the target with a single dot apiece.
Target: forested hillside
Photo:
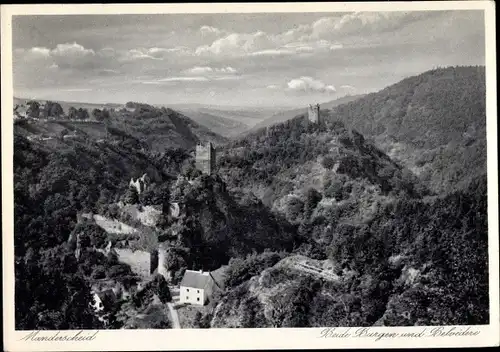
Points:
(163, 128)
(401, 269)
(433, 123)
(383, 239)
(54, 181)
(294, 162)
(218, 225)
(151, 128)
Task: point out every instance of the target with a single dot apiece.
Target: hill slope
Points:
(433, 123)
(156, 129)
(291, 157)
(393, 272)
(220, 125)
(164, 128)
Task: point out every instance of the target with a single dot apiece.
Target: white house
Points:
(197, 286)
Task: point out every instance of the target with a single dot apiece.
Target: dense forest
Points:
(433, 123)
(397, 215)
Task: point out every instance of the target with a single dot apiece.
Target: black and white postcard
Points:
(249, 176)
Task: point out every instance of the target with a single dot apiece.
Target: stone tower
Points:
(205, 157)
(162, 261)
(313, 113)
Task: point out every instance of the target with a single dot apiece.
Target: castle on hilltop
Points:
(313, 113)
(205, 158)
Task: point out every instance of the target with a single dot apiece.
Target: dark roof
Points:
(219, 276)
(195, 279)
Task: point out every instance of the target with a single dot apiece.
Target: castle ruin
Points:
(140, 184)
(205, 157)
(313, 113)
(162, 261)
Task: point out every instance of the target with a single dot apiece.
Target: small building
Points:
(197, 287)
(205, 158)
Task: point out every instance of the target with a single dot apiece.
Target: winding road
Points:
(173, 312)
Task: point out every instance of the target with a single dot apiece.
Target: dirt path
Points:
(175, 318)
(173, 312)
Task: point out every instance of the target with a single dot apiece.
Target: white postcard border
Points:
(207, 339)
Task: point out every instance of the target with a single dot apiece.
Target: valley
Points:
(359, 216)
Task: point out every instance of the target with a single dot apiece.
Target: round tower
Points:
(162, 261)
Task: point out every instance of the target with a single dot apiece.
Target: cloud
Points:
(170, 80)
(160, 53)
(77, 90)
(324, 34)
(348, 88)
(309, 84)
(272, 52)
(108, 72)
(209, 30)
(356, 23)
(260, 43)
(37, 51)
(153, 53)
(236, 44)
(180, 79)
(68, 56)
(208, 70)
(313, 46)
(71, 50)
(137, 54)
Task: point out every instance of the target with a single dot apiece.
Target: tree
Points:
(161, 288)
(156, 195)
(294, 208)
(82, 114)
(52, 109)
(131, 197)
(33, 109)
(313, 197)
(97, 114)
(105, 114)
(52, 294)
(56, 110)
(328, 162)
(72, 113)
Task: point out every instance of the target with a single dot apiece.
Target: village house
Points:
(197, 287)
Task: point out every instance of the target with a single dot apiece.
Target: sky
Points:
(279, 59)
